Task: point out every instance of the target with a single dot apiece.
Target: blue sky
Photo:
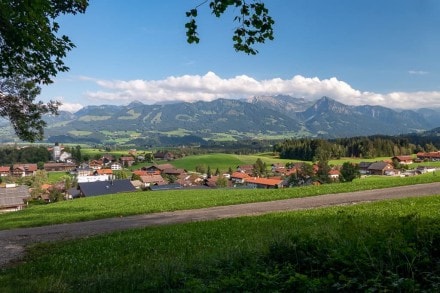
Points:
(382, 52)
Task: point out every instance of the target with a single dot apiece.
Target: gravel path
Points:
(13, 242)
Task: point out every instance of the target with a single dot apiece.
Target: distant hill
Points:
(224, 119)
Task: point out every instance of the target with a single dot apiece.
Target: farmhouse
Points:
(239, 177)
(5, 171)
(12, 197)
(22, 170)
(432, 156)
(379, 168)
(256, 182)
(66, 167)
(405, 160)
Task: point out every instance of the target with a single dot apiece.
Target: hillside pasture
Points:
(390, 246)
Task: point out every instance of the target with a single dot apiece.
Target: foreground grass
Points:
(383, 246)
(125, 204)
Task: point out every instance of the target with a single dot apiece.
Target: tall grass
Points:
(387, 246)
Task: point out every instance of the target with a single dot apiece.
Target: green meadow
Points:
(389, 246)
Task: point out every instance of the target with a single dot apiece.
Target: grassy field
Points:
(224, 161)
(125, 204)
(390, 246)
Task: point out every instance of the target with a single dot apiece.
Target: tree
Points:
(31, 53)
(349, 172)
(254, 23)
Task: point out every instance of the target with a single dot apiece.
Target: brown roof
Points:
(5, 169)
(152, 179)
(263, 181)
(239, 175)
(104, 171)
(26, 167)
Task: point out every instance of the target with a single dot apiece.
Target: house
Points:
(116, 166)
(5, 171)
(107, 159)
(108, 172)
(137, 184)
(84, 170)
(379, 168)
(257, 182)
(127, 161)
(173, 172)
(239, 177)
(334, 174)
(65, 167)
(248, 169)
(96, 164)
(404, 160)
(13, 197)
(363, 167)
(153, 169)
(425, 169)
(431, 156)
(65, 157)
(150, 180)
(105, 187)
(93, 178)
(167, 156)
(22, 170)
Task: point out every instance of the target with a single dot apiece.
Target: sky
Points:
(376, 52)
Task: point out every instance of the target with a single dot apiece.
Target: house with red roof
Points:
(5, 171)
(257, 182)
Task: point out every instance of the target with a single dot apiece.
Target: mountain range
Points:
(225, 119)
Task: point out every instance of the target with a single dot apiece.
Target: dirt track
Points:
(13, 242)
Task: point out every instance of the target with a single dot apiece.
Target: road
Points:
(14, 242)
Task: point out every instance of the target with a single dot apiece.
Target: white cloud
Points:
(70, 107)
(210, 86)
(417, 72)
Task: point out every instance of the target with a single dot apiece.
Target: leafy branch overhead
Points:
(255, 23)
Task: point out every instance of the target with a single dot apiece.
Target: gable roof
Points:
(26, 167)
(378, 166)
(264, 181)
(106, 187)
(5, 168)
(239, 175)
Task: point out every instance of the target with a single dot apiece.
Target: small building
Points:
(65, 167)
(379, 168)
(13, 197)
(431, 156)
(150, 180)
(256, 182)
(5, 171)
(22, 170)
(115, 166)
(105, 187)
(239, 177)
(404, 160)
(127, 161)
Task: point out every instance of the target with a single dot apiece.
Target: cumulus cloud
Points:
(190, 88)
(70, 107)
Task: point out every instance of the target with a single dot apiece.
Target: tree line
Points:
(309, 149)
(31, 154)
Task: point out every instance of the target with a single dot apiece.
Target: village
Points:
(110, 175)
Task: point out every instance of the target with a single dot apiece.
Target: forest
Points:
(309, 149)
